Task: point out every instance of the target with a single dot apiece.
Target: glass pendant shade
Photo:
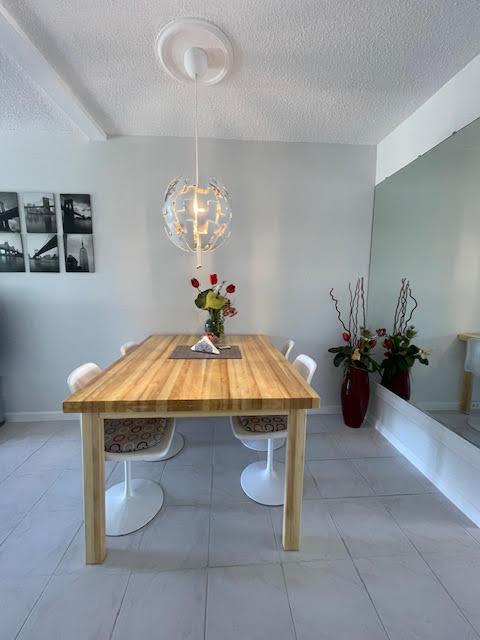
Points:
(197, 218)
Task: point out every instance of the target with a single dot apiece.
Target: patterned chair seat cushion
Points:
(133, 434)
(263, 424)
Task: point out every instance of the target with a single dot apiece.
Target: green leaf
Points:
(339, 358)
(214, 301)
(201, 299)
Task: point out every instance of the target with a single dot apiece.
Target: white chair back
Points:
(472, 361)
(305, 366)
(82, 375)
(126, 347)
(287, 348)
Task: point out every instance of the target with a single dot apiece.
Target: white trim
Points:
(438, 406)
(327, 409)
(39, 416)
(451, 463)
(454, 106)
(19, 46)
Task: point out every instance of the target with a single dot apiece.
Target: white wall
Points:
(302, 220)
(454, 106)
(427, 228)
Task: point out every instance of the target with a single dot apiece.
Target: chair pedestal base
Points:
(263, 485)
(127, 513)
(262, 445)
(176, 445)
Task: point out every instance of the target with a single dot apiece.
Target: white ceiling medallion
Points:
(196, 211)
(178, 36)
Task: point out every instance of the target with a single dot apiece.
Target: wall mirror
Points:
(427, 228)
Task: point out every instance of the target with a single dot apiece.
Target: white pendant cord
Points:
(198, 244)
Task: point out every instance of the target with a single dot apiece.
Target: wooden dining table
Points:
(148, 383)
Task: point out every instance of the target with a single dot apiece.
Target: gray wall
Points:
(302, 219)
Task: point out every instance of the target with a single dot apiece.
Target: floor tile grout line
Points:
(359, 576)
(282, 569)
(50, 578)
(120, 606)
(67, 548)
(31, 508)
(457, 606)
(27, 459)
(207, 569)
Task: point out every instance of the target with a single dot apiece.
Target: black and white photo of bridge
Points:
(39, 212)
(76, 212)
(11, 252)
(79, 253)
(9, 214)
(43, 253)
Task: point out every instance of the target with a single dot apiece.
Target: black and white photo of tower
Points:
(79, 253)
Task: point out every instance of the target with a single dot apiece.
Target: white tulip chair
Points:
(264, 481)
(261, 445)
(178, 441)
(131, 504)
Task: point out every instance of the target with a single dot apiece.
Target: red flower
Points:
(381, 332)
(387, 343)
(230, 288)
(346, 336)
(373, 344)
(213, 278)
(195, 283)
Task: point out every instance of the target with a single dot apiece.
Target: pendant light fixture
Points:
(196, 212)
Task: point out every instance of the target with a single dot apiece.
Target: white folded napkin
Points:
(205, 345)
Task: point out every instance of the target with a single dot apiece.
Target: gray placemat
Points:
(184, 352)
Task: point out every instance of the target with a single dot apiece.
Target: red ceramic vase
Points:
(355, 396)
(399, 384)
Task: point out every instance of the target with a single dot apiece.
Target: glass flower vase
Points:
(215, 324)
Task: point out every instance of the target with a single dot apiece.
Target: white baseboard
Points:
(45, 416)
(438, 406)
(39, 416)
(451, 463)
(327, 409)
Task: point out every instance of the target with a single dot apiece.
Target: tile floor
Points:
(384, 555)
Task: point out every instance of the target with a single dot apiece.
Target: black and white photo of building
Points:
(39, 212)
(43, 253)
(79, 253)
(76, 213)
(9, 214)
(11, 252)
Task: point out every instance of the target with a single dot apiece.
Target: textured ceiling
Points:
(23, 106)
(306, 70)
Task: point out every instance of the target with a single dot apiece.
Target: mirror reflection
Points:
(425, 274)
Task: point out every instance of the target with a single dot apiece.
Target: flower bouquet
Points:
(218, 305)
(355, 356)
(401, 354)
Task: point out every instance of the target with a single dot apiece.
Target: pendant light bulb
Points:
(197, 215)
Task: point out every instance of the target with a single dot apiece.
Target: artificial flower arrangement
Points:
(355, 356)
(401, 354)
(359, 340)
(218, 305)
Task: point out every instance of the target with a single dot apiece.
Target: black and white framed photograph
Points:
(9, 214)
(40, 214)
(11, 252)
(43, 252)
(76, 212)
(79, 253)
